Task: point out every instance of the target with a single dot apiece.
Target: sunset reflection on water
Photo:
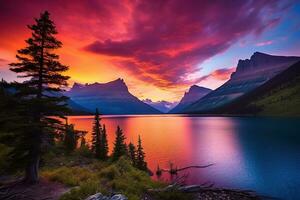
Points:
(234, 145)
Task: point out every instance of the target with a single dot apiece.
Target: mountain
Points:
(250, 74)
(278, 96)
(195, 93)
(111, 98)
(163, 106)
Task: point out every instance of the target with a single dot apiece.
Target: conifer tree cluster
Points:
(137, 155)
(104, 144)
(99, 138)
(70, 137)
(140, 156)
(120, 147)
(132, 153)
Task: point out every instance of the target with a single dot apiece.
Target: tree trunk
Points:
(31, 172)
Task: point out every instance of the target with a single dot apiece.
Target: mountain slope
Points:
(278, 96)
(250, 74)
(77, 109)
(111, 98)
(194, 93)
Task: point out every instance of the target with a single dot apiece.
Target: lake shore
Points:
(76, 176)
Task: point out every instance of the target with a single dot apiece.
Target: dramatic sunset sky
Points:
(159, 48)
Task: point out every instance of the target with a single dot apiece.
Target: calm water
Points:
(259, 154)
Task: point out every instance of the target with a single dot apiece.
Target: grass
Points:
(283, 101)
(88, 176)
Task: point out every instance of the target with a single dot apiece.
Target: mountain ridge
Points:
(250, 74)
(275, 97)
(110, 98)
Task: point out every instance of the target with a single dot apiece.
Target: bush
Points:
(71, 176)
(122, 177)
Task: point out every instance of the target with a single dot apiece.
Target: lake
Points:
(260, 154)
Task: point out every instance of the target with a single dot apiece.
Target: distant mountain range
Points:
(111, 98)
(163, 106)
(262, 85)
(194, 93)
(250, 74)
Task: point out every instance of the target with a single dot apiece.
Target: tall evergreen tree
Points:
(132, 153)
(140, 157)
(96, 135)
(120, 147)
(104, 145)
(39, 95)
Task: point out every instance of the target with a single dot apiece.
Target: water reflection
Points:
(248, 153)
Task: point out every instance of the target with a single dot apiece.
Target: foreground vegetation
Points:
(92, 176)
(85, 175)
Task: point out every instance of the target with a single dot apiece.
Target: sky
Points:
(159, 48)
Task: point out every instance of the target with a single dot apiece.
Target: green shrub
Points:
(122, 177)
(71, 176)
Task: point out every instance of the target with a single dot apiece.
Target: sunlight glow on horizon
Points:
(157, 64)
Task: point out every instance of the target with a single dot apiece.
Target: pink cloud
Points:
(264, 43)
(219, 74)
(159, 42)
(163, 48)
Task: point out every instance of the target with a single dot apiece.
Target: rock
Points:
(118, 197)
(97, 196)
(100, 196)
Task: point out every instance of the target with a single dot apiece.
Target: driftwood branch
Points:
(173, 170)
(188, 167)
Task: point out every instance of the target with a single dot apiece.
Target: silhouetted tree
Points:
(83, 142)
(104, 145)
(120, 147)
(96, 135)
(38, 96)
(70, 138)
(140, 157)
(132, 153)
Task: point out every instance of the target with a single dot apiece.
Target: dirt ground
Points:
(44, 190)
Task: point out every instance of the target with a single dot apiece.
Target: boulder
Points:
(100, 196)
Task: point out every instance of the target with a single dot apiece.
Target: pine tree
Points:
(120, 147)
(104, 145)
(96, 135)
(83, 143)
(70, 137)
(38, 96)
(132, 153)
(140, 160)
